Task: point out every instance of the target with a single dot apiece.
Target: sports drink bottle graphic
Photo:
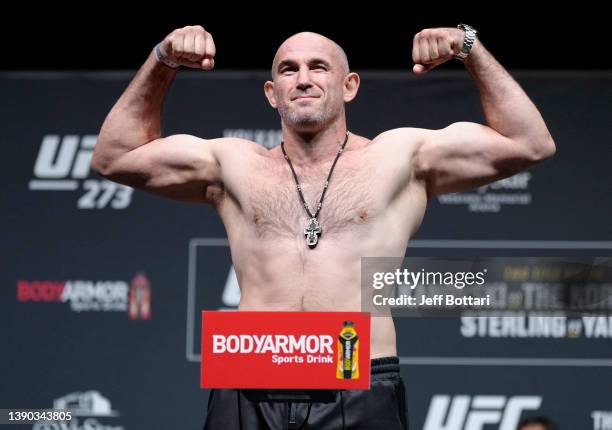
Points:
(348, 352)
(140, 298)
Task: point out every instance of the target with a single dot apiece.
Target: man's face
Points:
(308, 75)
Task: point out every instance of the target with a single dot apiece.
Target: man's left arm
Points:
(465, 155)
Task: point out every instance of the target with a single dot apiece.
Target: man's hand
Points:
(434, 46)
(190, 46)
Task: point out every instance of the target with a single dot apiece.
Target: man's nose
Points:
(303, 78)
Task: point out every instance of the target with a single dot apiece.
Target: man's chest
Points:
(358, 193)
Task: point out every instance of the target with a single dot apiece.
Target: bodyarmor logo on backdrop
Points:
(89, 405)
(92, 296)
(463, 412)
(490, 198)
(63, 164)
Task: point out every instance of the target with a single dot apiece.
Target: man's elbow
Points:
(545, 149)
(101, 165)
(549, 147)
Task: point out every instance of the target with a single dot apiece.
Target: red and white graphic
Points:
(288, 350)
(92, 296)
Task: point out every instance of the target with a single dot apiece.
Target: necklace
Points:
(313, 228)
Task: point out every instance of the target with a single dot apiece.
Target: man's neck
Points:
(311, 147)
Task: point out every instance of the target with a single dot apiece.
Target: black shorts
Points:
(381, 407)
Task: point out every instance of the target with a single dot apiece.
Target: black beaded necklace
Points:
(313, 229)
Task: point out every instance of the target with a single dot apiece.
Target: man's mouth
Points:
(305, 97)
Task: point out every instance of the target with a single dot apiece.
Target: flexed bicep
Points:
(466, 155)
(180, 167)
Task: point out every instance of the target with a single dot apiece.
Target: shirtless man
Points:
(374, 203)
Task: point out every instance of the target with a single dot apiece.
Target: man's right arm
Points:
(130, 148)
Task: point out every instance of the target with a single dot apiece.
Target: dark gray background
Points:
(142, 366)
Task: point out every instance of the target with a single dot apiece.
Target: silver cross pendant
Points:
(312, 230)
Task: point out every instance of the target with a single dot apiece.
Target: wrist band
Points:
(163, 59)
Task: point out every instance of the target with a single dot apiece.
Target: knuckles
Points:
(176, 41)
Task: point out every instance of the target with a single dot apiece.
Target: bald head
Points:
(311, 82)
(313, 43)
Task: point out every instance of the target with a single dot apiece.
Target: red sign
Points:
(285, 350)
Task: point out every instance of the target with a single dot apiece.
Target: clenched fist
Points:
(190, 46)
(434, 46)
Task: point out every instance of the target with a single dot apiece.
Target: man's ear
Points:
(269, 91)
(351, 86)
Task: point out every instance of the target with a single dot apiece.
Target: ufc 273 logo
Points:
(475, 412)
(63, 165)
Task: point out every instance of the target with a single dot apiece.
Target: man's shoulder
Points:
(401, 139)
(402, 134)
(237, 147)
